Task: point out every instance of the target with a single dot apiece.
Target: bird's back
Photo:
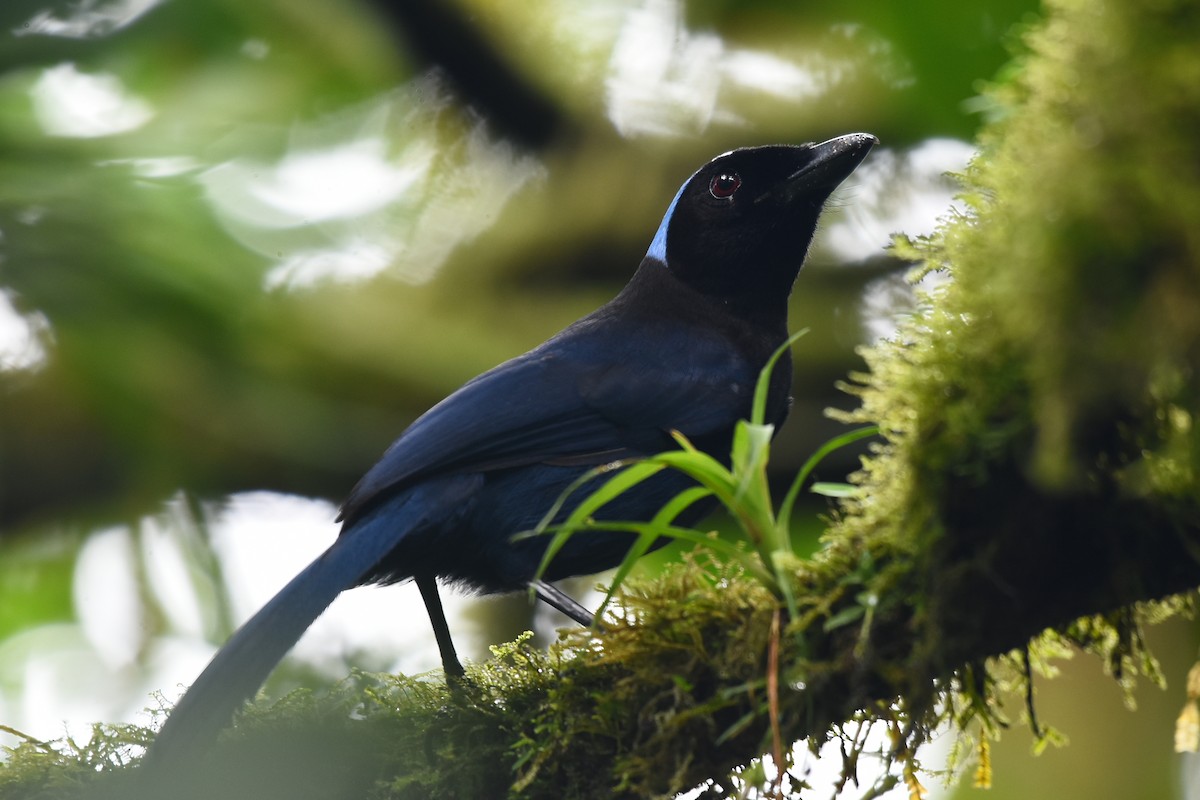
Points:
(612, 386)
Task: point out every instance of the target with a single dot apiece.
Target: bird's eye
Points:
(724, 185)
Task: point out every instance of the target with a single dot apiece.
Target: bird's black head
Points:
(740, 227)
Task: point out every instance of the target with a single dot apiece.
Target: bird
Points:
(679, 349)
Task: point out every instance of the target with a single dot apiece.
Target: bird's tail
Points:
(243, 664)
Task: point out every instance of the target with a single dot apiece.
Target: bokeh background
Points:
(242, 245)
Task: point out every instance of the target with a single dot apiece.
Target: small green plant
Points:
(742, 488)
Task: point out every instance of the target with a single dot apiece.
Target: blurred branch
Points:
(673, 693)
(440, 34)
(1041, 470)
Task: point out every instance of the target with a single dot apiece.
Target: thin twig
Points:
(773, 703)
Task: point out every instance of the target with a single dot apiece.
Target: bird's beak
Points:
(831, 163)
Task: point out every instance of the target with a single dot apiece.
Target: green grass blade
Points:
(750, 469)
(704, 469)
(826, 489)
(789, 500)
(549, 516)
(615, 486)
(781, 568)
(758, 409)
(627, 478)
(665, 516)
(729, 550)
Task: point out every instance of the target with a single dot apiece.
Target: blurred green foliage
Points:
(171, 367)
(175, 360)
(1040, 406)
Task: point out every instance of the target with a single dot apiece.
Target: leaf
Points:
(837, 442)
(844, 617)
(758, 408)
(628, 477)
(739, 725)
(835, 489)
(666, 515)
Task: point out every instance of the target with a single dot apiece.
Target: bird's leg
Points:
(559, 599)
(433, 605)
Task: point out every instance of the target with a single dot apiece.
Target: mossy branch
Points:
(1038, 472)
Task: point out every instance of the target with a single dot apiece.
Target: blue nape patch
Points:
(658, 246)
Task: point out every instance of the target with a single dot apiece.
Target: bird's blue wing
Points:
(591, 395)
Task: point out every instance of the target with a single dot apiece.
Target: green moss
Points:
(1036, 479)
(1042, 402)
